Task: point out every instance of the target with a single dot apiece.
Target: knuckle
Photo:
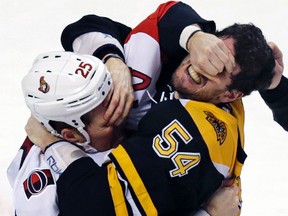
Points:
(220, 43)
(131, 98)
(115, 101)
(118, 112)
(201, 62)
(209, 51)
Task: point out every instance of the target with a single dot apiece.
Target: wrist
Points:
(107, 49)
(111, 55)
(45, 141)
(49, 145)
(60, 155)
(187, 33)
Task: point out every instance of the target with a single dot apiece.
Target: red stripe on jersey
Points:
(149, 25)
(26, 146)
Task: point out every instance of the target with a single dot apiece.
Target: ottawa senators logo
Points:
(37, 181)
(44, 86)
(219, 127)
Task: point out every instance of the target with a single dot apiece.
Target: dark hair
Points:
(253, 55)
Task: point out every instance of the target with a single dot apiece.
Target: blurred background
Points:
(32, 27)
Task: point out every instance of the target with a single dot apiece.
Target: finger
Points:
(276, 52)
(206, 69)
(217, 63)
(204, 66)
(235, 190)
(227, 182)
(217, 59)
(207, 75)
(111, 107)
(274, 48)
(231, 63)
(226, 57)
(108, 98)
(228, 61)
(126, 110)
(118, 111)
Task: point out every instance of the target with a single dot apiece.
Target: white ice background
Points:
(30, 27)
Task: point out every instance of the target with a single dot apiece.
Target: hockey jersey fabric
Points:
(177, 159)
(34, 181)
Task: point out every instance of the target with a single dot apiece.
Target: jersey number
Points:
(166, 146)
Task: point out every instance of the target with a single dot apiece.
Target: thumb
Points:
(227, 182)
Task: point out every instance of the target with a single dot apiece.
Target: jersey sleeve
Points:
(108, 37)
(173, 22)
(83, 189)
(82, 185)
(167, 23)
(277, 101)
(18, 161)
(33, 183)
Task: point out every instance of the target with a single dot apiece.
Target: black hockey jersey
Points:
(178, 158)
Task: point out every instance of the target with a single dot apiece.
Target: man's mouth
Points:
(194, 75)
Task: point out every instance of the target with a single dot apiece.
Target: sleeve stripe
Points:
(150, 24)
(134, 180)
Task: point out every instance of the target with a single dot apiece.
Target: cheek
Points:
(99, 133)
(179, 78)
(101, 139)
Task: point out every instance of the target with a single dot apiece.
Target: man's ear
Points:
(230, 96)
(72, 135)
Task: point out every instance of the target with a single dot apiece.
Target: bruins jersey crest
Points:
(218, 125)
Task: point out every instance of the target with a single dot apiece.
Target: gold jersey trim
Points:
(134, 180)
(116, 192)
(220, 130)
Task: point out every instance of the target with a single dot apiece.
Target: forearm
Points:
(59, 155)
(95, 35)
(83, 189)
(277, 101)
(103, 38)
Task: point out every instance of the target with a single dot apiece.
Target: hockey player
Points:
(53, 71)
(155, 33)
(174, 163)
(34, 185)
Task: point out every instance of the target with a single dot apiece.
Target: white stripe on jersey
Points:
(146, 60)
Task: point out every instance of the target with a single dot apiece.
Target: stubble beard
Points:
(185, 93)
